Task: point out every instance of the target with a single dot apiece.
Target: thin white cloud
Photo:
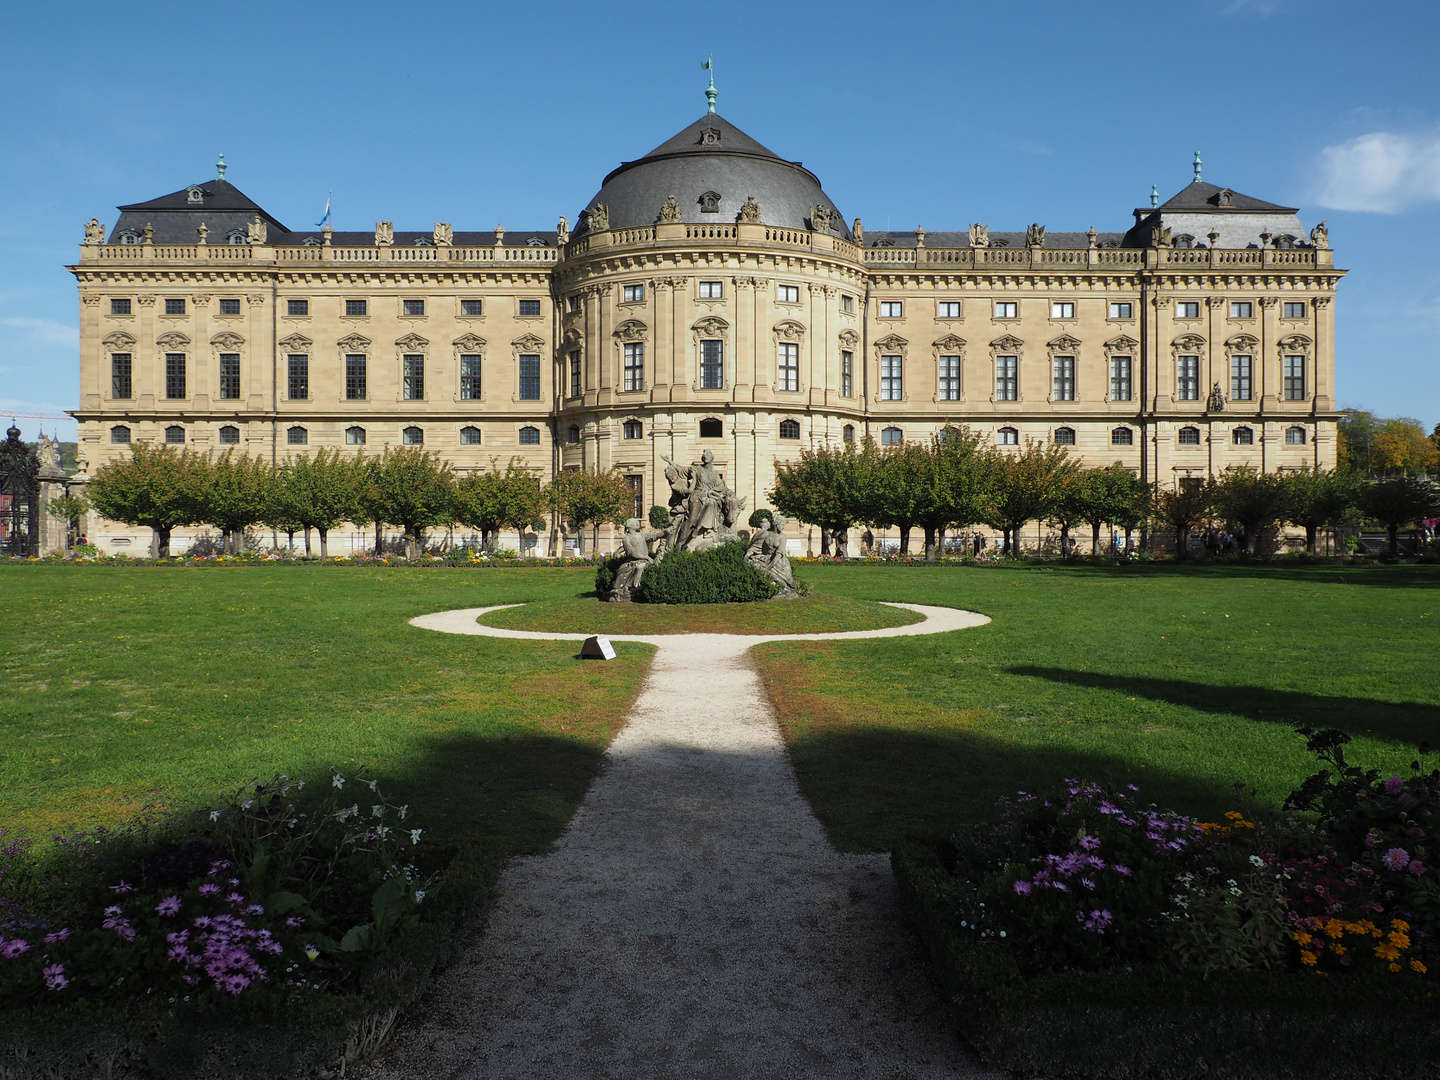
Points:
(42, 331)
(1382, 172)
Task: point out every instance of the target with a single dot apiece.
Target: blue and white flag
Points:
(326, 219)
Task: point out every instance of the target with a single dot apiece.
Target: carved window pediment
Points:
(1189, 343)
(1122, 344)
(1007, 343)
(296, 343)
(789, 330)
(849, 338)
(1064, 343)
(950, 344)
(412, 343)
(631, 330)
(1295, 343)
(173, 340)
(712, 326)
(118, 340)
(194, 194)
(536, 241)
(1223, 197)
(469, 343)
(710, 137)
(892, 343)
(228, 340)
(354, 343)
(529, 343)
(1242, 343)
(573, 338)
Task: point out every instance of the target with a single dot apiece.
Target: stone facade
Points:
(599, 349)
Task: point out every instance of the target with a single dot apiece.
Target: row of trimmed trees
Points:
(960, 480)
(160, 488)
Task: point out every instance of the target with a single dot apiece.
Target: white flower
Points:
(404, 810)
(311, 952)
(415, 835)
(214, 815)
(419, 895)
(299, 785)
(247, 804)
(337, 781)
(377, 810)
(1002, 933)
(374, 785)
(382, 831)
(1256, 860)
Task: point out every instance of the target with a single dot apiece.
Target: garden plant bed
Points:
(1158, 1023)
(802, 615)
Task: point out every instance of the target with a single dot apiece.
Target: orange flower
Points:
(1401, 925)
(1416, 965)
(1334, 928)
(1234, 815)
(1387, 952)
(1338, 950)
(1394, 967)
(1399, 940)
(1301, 937)
(1307, 957)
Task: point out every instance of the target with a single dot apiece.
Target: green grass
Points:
(815, 614)
(1180, 679)
(128, 686)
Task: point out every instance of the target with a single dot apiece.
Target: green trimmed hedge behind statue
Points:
(719, 575)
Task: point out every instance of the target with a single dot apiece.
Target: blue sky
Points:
(941, 114)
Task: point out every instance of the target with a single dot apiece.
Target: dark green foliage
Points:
(761, 518)
(605, 574)
(717, 576)
(659, 517)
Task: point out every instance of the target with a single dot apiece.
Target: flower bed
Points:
(278, 935)
(1084, 935)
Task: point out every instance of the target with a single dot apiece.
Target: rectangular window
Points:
(575, 304)
(356, 307)
(1187, 378)
(175, 306)
(891, 309)
(847, 304)
(472, 307)
(299, 377)
(530, 376)
(122, 306)
(847, 374)
(948, 309)
(529, 308)
(229, 307)
(712, 365)
(788, 294)
(1120, 367)
(634, 294)
(1007, 382)
(892, 378)
(949, 376)
(470, 377)
(1007, 309)
(230, 376)
(1062, 309)
(712, 290)
(412, 307)
(575, 387)
(1063, 379)
(1187, 309)
(1241, 309)
(355, 376)
(297, 436)
(1240, 386)
(120, 375)
(634, 365)
(1294, 309)
(175, 375)
(1121, 309)
(1294, 376)
(636, 483)
(789, 366)
(297, 307)
(412, 383)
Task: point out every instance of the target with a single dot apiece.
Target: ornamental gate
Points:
(19, 497)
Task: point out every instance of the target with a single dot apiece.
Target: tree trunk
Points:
(1394, 531)
(930, 553)
(162, 543)
(307, 541)
(824, 542)
(940, 542)
(1065, 541)
(1095, 538)
(379, 539)
(594, 539)
(904, 539)
(324, 543)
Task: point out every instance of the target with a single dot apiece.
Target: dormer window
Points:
(710, 202)
(194, 195)
(999, 243)
(424, 241)
(1286, 242)
(885, 242)
(310, 241)
(1184, 240)
(237, 237)
(129, 236)
(710, 137)
(1225, 197)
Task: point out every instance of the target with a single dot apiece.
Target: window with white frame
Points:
(634, 373)
(297, 307)
(892, 378)
(1121, 387)
(1187, 378)
(1062, 378)
(634, 294)
(120, 369)
(175, 375)
(175, 306)
(355, 376)
(413, 436)
(948, 309)
(469, 435)
(847, 433)
(1065, 436)
(572, 434)
(1062, 309)
(1242, 309)
(712, 365)
(1293, 377)
(470, 377)
(1241, 383)
(788, 366)
(1294, 309)
(298, 377)
(529, 377)
(230, 306)
(1121, 309)
(1295, 436)
(1242, 436)
(1188, 436)
(1007, 309)
(789, 429)
(120, 306)
(1187, 309)
(712, 290)
(847, 373)
(1007, 378)
(948, 378)
(788, 294)
(1007, 436)
(355, 436)
(892, 309)
(529, 308)
(356, 308)
(847, 303)
(892, 436)
(632, 429)
(1122, 436)
(412, 307)
(476, 307)
(412, 386)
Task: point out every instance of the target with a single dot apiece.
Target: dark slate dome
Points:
(712, 163)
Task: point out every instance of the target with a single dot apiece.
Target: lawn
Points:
(131, 686)
(1180, 679)
(815, 614)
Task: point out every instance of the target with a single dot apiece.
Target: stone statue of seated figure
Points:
(637, 560)
(767, 554)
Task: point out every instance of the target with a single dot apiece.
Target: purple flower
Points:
(1089, 843)
(59, 935)
(235, 898)
(1096, 921)
(178, 937)
(13, 948)
(1394, 785)
(209, 890)
(295, 920)
(1397, 858)
(1088, 883)
(1416, 867)
(1123, 871)
(112, 911)
(1023, 888)
(55, 977)
(122, 889)
(169, 906)
(1132, 787)
(255, 909)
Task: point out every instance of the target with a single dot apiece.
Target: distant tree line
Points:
(1371, 446)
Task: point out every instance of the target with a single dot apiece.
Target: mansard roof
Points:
(943, 238)
(1202, 198)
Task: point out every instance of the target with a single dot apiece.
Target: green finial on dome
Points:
(1154, 196)
(220, 168)
(710, 94)
(1198, 163)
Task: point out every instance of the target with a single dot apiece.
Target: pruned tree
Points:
(1317, 499)
(1113, 495)
(965, 465)
(500, 499)
(895, 487)
(590, 498)
(1253, 500)
(1398, 501)
(1183, 508)
(236, 494)
(411, 488)
(827, 487)
(322, 492)
(154, 487)
(1027, 486)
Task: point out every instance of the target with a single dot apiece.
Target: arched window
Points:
(174, 434)
(120, 434)
(1065, 436)
(297, 436)
(1007, 436)
(312, 241)
(354, 436)
(129, 236)
(848, 434)
(1242, 436)
(469, 435)
(229, 435)
(572, 434)
(711, 428)
(1189, 436)
(413, 436)
(1295, 436)
(237, 237)
(529, 436)
(891, 436)
(633, 430)
(789, 429)
(1122, 436)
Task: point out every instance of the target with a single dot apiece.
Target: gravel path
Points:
(693, 920)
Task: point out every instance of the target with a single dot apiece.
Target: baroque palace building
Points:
(711, 296)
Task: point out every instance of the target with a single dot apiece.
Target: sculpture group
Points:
(703, 514)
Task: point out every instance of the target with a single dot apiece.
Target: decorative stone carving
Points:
(631, 572)
(1007, 344)
(670, 210)
(1124, 345)
(145, 301)
(1035, 236)
(412, 343)
(631, 330)
(444, 235)
(858, 231)
(711, 326)
(327, 234)
(1065, 343)
(1242, 343)
(149, 234)
(384, 234)
(1216, 401)
(710, 137)
(469, 343)
(257, 232)
(789, 330)
(173, 341)
(204, 232)
(892, 343)
(749, 211)
(89, 299)
(562, 231)
(703, 508)
(949, 345)
(94, 232)
(118, 341)
(1320, 235)
(821, 218)
(920, 236)
(255, 298)
(529, 343)
(1092, 237)
(228, 341)
(296, 343)
(979, 236)
(849, 338)
(499, 234)
(1160, 236)
(200, 299)
(1294, 343)
(354, 343)
(598, 218)
(767, 554)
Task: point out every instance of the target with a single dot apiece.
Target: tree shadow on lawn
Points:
(1409, 722)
